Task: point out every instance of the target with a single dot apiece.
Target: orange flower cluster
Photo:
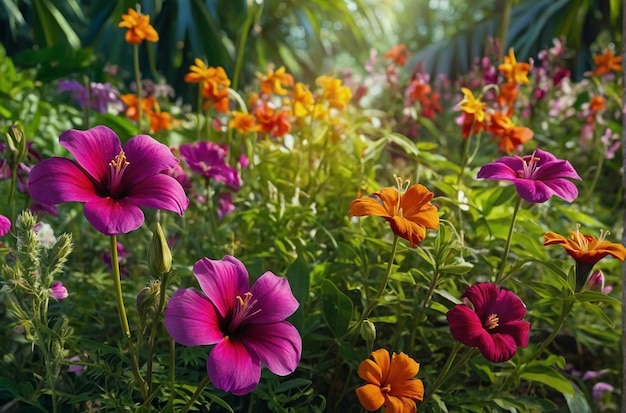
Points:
(214, 84)
(158, 120)
(420, 91)
(398, 55)
(607, 62)
(139, 27)
(477, 118)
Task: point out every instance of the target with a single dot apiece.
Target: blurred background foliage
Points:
(309, 37)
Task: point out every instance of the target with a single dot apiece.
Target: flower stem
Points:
(138, 83)
(596, 177)
(465, 156)
(12, 191)
(153, 331)
(195, 395)
(507, 246)
(381, 289)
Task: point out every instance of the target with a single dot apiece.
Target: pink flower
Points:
(58, 291)
(536, 177)
(246, 324)
(5, 225)
(224, 205)
(209, 160)
(75, 368)
(492, 320)
(114, 182)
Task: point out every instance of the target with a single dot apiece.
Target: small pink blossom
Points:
(58, 291)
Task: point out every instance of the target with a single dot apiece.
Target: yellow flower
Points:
(199, 72)
(391, 382)
(243, 122)
(303, 100)
(471, 105)
(275, 81)
(513, 71)
(334, 93)
(139, 27)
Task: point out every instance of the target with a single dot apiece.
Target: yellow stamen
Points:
(492, 322)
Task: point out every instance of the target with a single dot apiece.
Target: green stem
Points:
(87, 108)
(507, 246)
(153, 331)
(506, 6)
(465, 156)
(138, 83)
(596, 177)
(12, 191)
(195, 395)
(241, 48)
(381, 289)
(199, 113)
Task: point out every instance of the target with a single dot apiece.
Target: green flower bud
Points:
(148, 299)
(368, 331)
(159, 254)
(16, 145)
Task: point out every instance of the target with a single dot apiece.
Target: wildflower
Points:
(97, 97)
(271, 121)
(199, 72)
(333, 92)
(209, 160)
(507, 94)
(5, 225)
(246, 324)
(132, 105)
(509, 135)
(418, 91)
(596, 283)
(75, 368)
(215, 92)
(600, 388)
(432, 106)
(607, 62)
(597, 104)
(139, 28)
(536, 177)
(303, 100)
(57, 291)
(472, 106)
(275, 81)
(391, 382)
(243, 122)
(160, 121)
(398, 54)
(513, 71)
(114, 182)
(492, 320)
(586, 250)
(224, 205)
(408, 212)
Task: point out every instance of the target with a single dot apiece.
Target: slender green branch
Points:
(507, 246)
(138, 83)
(195, 395)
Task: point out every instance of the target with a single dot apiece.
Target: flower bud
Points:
(596, 281)
(16, 145)
(58, 291)
(148, 299)
(368, 331)
(159, 254)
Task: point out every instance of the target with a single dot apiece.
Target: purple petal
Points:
(544, 157)
(483, 297)
(509, 307)
(146, 157)
(465, 326)
(159, 191)
(497, 347)
(563, 188)
(274, 299)
(556, 169)
(5, 225)
(535, 192)
(499, 170)
(58, 180)
(191, 319)
(222, 281)
(93, 149)
(277, 345)
(519, 330)
(231, 368)
(113, 216)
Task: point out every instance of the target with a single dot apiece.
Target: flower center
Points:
(492, 322)
(402, 186)
(243, 310)
(530, 167)
(116, 172)
(583, 241)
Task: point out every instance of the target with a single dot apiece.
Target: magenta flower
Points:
(5, 225)
(490, 319)
(114, 182)
(209, 160)
(58, 291)
(246, 324)
(536, 177)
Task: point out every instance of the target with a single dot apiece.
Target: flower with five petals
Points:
(139, 27)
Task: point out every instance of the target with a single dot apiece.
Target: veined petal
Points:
(497, 347)
(398, 404)
(556, 169)
(278, 345)
(389, 198)
(551, 238)
(231, 368)
(414, 199)
(500, 169)
(113, 216)
(412, 232)
(368, 206)
(616, 250)
(508, 307)
(465, 326)
(402, 368)
(535, 192)
(191, 319)
(483, 297)
(222, 281)
(370, 396)
(93, 149)
(159, 191)
(563, 188)
(426, 216)
(371, 372)
(146, 157)
(274, 299)
(57, 180)
(519, 330)
(412, 389)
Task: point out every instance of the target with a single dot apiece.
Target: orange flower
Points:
(200, 72)
(606, 62)
(139, 27)
(513, 71)
(510, 136)
(132, 105)
(418, 91)
(398, 54)
(597, 104)
(586, 248)
(408, 214)
(391, 382)
(303, 100)
(471, 105)
(274, 81)
(160, 121)
(215, 89)
(334, 93)
(243, 122)
(508, 93)
(271, 121)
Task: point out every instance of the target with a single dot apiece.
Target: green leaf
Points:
(219, 401)
(548, 376)
(300, 282)
(337, 308)
(592, 296)
(577, 402)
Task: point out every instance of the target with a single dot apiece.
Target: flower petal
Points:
(370, 396)
(274, 299)
(504, 168)
(93, 149)
(519, 330)
(368, 206)
(222, 281)
(556, 168)
(5, 225)
(146, 157)
(402, 368)
(483, 297)
(371, 372)
(533, 191)
(231, 368)
(113, 216)
(57, 180)
(191, 319)
(278, 345)
(412, 389)
(410, 231)
(465, 326)
(159, 191)
(508, 307)
(398, 404)
(497, 347)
